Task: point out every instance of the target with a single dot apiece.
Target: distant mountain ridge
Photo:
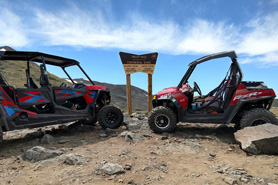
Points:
(139, 97)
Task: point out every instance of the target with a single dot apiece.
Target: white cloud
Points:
(12, 32)
(256, 41)
(261, 41)
(207, 37)
(262, 37)
(82, 29)
(92, 30)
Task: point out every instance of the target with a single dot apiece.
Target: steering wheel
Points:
(197, 89)
(64, 84)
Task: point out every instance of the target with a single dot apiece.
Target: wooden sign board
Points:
(138, 63)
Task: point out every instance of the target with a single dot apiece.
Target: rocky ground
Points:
(81, 154)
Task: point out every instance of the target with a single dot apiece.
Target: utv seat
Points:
(223, 93)
(6, 87)
(30, 82)
(2, 80)
(44, 82)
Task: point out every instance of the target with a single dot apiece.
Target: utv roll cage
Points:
(42, 58)
(192, 65)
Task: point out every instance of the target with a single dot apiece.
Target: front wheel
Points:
(257, 116)
(110, 117)
(162, 119)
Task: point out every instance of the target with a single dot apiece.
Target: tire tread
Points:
(103, 111)
(252, 114)
(164, 110)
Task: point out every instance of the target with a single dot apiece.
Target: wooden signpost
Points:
(138, 63)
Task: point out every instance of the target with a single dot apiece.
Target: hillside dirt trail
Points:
(193, 154)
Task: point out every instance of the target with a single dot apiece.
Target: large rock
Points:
(132, 137)
(39, 153)
(75, 159)
(111, 169)
(261, 139)
(47, 139)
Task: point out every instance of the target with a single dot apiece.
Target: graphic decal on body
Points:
(247, 95)
(9, 105)
(32, 97)
(92, 95)
(5, 96)
(11, 109)
(65, 93)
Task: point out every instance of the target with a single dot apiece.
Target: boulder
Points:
(111, 169)
(38, 153)
(75, 159)
(132, 137)
(261, 139)
(47, 139)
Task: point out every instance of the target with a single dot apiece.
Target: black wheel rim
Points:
(111, 118)
(162, 121)
(260, 121)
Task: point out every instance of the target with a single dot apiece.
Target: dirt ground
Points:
(194, 154)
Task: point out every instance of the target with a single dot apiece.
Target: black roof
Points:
(231, 54)
(37, 57)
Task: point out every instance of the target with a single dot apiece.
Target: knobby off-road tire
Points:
(162, 119)
(257, 116)
(110, 117)
(1, 135)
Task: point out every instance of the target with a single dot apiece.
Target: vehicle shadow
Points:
(222, 133)
(69, 136)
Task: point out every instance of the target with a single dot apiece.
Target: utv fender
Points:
(172, 103)
(242, 102)
(99, 94)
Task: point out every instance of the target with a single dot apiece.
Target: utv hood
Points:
(100, 87)
(166, 93)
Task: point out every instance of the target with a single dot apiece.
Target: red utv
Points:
(43, 104)
(232, 101)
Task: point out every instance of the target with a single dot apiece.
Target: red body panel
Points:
(243, 93)
(10, 107)
(91, 91)
(175, 93)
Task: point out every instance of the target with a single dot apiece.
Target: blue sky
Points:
(94, 32)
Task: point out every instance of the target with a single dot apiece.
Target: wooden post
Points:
(150, 94)
(128, 94)
(138, 63)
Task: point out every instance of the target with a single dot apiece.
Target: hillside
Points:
(275, 103)
(14, 73)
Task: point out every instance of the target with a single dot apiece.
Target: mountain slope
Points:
(139, 97)
(15, 75)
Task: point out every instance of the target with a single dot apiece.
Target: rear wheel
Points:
(257, 116)
(162, 119)
(110, 117)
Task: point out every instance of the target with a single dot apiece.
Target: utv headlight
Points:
(154, 97)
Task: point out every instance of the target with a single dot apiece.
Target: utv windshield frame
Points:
(192, 65)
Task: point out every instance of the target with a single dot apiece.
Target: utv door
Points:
(31, 97)
(65, 95)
